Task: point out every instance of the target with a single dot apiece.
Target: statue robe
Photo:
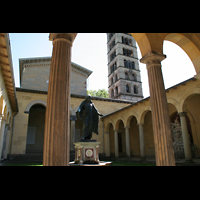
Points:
(90, 117)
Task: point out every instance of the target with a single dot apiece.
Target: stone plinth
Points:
(86, 152)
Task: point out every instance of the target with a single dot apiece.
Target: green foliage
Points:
(100, 93)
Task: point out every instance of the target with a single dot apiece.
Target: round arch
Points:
(143, 113)
(118, 121)
(108, 124)
(129, 119)
(28, 107)
(185, 96)
(174, 103)
(153, 42)
(190, 43)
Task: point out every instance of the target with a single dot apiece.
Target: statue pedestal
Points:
(86, 152)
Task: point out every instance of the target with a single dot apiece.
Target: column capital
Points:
(140, 124)
(73, 117)
(181, 114)
(127, 127)
(152, 58)
(62, 36)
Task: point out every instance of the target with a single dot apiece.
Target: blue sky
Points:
(90, 51)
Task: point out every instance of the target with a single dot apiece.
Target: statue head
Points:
(88, 98)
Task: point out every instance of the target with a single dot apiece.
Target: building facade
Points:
(28, 135)
(124, 77)
(8, 100)
(34, 75)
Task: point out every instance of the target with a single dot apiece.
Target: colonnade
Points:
(185, 135)
(127, 141)
(56, 145)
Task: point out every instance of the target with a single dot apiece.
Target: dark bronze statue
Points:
(90, 117)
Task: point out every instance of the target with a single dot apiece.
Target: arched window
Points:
(134, 77)
(135, 89)
(126, 76)
(116, 90)
(111, 80)
(116, 77)
(112, 93)
(130, 42)
(115, 66)
(133, 65)
(125, 62)
(127, 88)
(129, 64)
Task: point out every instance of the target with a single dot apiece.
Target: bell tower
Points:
(124, 80)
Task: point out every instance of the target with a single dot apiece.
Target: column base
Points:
(143, 158)
(189, 161)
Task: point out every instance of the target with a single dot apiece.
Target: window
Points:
(125, 63)
(116, 78)
(126, 76)
(133, 65)
(130, 42)
(126, 41)
(127, 88)
(112, 56)
(112, 44)
(135, 89)
(112, 93)
(129, 65)
(127, 52)
(116, 90)
(111, 80)
(134, 77)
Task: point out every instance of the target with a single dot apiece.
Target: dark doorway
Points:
(35, 132)
(120, 142)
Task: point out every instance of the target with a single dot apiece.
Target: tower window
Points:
(116, 77)
(134, 77)
(116, 90)
(127, 52)
(135, 89)
(125, 62)
(112, 93)
(129, 65)
(111, 80)
(127, 88)
(133, 65)
(126, 76)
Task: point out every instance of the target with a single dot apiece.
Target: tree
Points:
(100, 93)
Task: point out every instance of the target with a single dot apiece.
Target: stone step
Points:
(26, 158)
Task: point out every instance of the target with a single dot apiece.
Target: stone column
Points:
(186, 137)
(107, 141)
(2, 130)
(128, 152)
(116, 143)
(72, 133)
(141, 135)
(57, 122)
(160, 113)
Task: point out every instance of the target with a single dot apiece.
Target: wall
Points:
(35, 76)
(21, 119)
